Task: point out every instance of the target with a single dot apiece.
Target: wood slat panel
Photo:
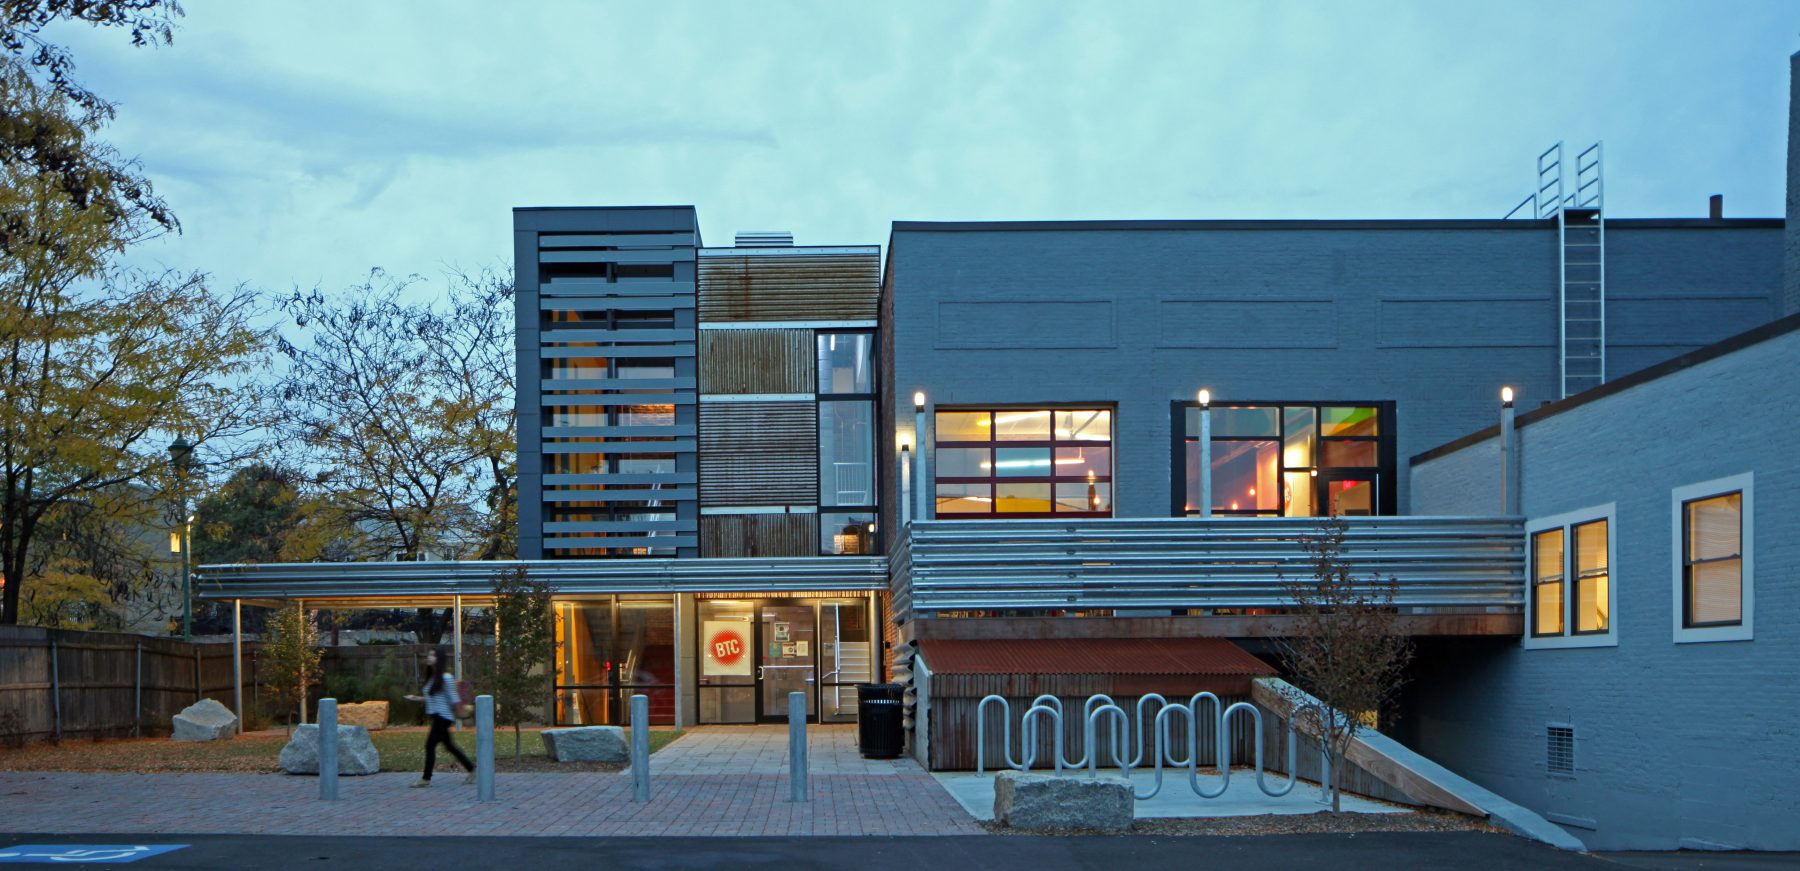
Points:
(757, 361)
(797, 287)
(759, 453)
(759, 535)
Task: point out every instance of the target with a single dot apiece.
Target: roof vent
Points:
(765, 239)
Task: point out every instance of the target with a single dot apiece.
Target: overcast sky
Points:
(303, 143)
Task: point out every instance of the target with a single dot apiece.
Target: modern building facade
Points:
(766, 468)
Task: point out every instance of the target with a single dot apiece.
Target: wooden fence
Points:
(57, 683)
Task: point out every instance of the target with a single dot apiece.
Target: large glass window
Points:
(1024, 463)
(847, 453)
(1292, 459)
(1712, 561)
(847, 533)
(609, 648)
(846, 363)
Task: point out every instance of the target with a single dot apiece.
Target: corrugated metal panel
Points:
(759, 535)
(759, 453)
(326, 583)
(791, 286)
(1443, 564)
(1109, 656)
(758, 361)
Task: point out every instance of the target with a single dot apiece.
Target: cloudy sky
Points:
(303, 143)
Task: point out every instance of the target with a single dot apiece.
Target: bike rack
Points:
(1123, 736)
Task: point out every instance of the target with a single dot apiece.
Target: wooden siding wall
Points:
(1354, 777)
(955, 699)
(757, 361)
(759, 453)
(798, 286)
(100, 687)
(759, 535)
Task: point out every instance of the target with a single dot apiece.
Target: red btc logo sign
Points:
(728, 647)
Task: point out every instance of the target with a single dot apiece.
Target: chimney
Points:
(765, 239)
(1716, 207)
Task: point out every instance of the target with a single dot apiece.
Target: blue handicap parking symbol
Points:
(75, 853)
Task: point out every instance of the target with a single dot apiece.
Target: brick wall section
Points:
(1675, 743)
(1791, 279)
(1435, 318)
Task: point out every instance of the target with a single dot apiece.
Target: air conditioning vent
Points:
(1561, 750)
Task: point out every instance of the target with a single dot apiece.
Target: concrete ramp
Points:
(1419, 778)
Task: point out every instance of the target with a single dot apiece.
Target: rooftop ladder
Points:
(1581, 234)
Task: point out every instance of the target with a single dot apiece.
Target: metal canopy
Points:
(406, 584)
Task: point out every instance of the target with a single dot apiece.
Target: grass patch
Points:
(402, 749)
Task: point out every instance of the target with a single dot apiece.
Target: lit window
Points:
(1713, 561)
(1290, 460)
(1024, 463)
(1569, 580)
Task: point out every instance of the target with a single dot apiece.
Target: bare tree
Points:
(403, 413)
(1344, 649)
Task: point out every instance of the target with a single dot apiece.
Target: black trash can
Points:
(879, 731)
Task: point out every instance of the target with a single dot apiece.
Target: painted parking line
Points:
(63, 854)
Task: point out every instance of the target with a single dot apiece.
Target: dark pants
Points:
(440, 734)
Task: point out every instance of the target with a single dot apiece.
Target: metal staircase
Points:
(1581, 261)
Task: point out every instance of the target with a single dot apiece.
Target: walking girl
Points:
(440, 705)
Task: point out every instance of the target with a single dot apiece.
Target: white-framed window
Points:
(1570, 594)
(1713, 528)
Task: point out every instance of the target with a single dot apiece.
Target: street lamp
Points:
(181, 457)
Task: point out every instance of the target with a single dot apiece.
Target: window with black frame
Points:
(847, 472)
(1023, 462)
(609, 648)
(1291, 459)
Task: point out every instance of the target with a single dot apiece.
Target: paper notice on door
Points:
(802, 648)
(781, 632)
(788, 651)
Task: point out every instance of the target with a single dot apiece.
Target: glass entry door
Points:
(787, 642)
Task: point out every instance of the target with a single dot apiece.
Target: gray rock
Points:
(586, 744)
(356, 753)
(372, 716)
(1048, 802)
(204, 720)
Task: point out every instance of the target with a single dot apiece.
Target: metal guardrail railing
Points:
(1442, 564)
(402, 580)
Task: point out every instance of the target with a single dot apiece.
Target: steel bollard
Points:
(328, 747)
(640, 747)
(484, 748)
(798, 787)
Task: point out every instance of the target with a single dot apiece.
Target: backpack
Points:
(465, 700)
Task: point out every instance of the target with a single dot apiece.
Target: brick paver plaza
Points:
(713, 781)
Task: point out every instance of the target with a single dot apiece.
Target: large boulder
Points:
(586, 744)
(204, 720)
(356, 753)
(372, 716)
(1048, 802)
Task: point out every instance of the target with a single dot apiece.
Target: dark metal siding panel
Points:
(789, 287)
(759, 453)
(757, 361)
(759, 535)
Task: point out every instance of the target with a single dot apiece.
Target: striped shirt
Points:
(443, 702)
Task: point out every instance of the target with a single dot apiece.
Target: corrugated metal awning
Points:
(1112, 656)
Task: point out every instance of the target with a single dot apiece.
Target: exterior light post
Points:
(181, 457)
(1509, 460)
(1205, 399)
(906, 496)
(919, 484)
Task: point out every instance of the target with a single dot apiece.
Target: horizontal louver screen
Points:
(790, 287)
(759, 535)
(759, 453)
(757, 361)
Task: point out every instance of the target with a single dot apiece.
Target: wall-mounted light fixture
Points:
(1205, 397)
(1506, 396)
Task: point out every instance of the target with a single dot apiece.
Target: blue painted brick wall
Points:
(1676, 743)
